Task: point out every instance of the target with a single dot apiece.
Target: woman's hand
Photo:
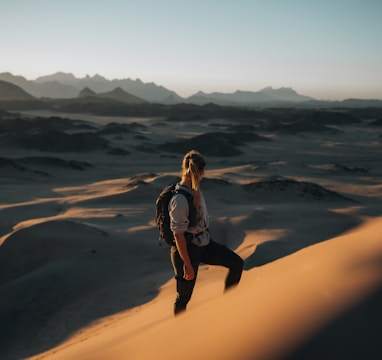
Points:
(188, 272)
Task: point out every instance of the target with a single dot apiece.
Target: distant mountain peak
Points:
(117, 94)
(118, 90)
(98, 77)
(86, 92)
(286, 94)
(270, 90)
(58, 76)
(121, 95)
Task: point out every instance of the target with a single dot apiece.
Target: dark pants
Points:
(212, 254)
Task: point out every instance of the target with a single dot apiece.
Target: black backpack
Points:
(162, 217)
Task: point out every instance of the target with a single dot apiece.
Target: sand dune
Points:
(82, 275)
(274, 310)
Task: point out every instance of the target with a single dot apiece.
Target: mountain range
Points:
(67, 86)
(97, 89)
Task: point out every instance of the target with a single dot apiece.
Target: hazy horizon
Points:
(329, 50)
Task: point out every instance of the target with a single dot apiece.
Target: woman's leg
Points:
(184, 288)
(218, 254)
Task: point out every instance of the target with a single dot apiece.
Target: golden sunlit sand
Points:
(82, 275)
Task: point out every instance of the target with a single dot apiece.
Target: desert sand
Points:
(82, 275)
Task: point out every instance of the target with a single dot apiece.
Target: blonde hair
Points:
(193, 163)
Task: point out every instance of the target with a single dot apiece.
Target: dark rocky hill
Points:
(9, 91)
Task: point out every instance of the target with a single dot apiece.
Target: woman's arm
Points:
(188, 270)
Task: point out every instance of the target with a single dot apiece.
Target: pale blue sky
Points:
(328, 49)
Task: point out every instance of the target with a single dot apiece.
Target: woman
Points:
(193, 244)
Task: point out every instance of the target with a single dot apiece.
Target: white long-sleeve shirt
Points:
(178, 210)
